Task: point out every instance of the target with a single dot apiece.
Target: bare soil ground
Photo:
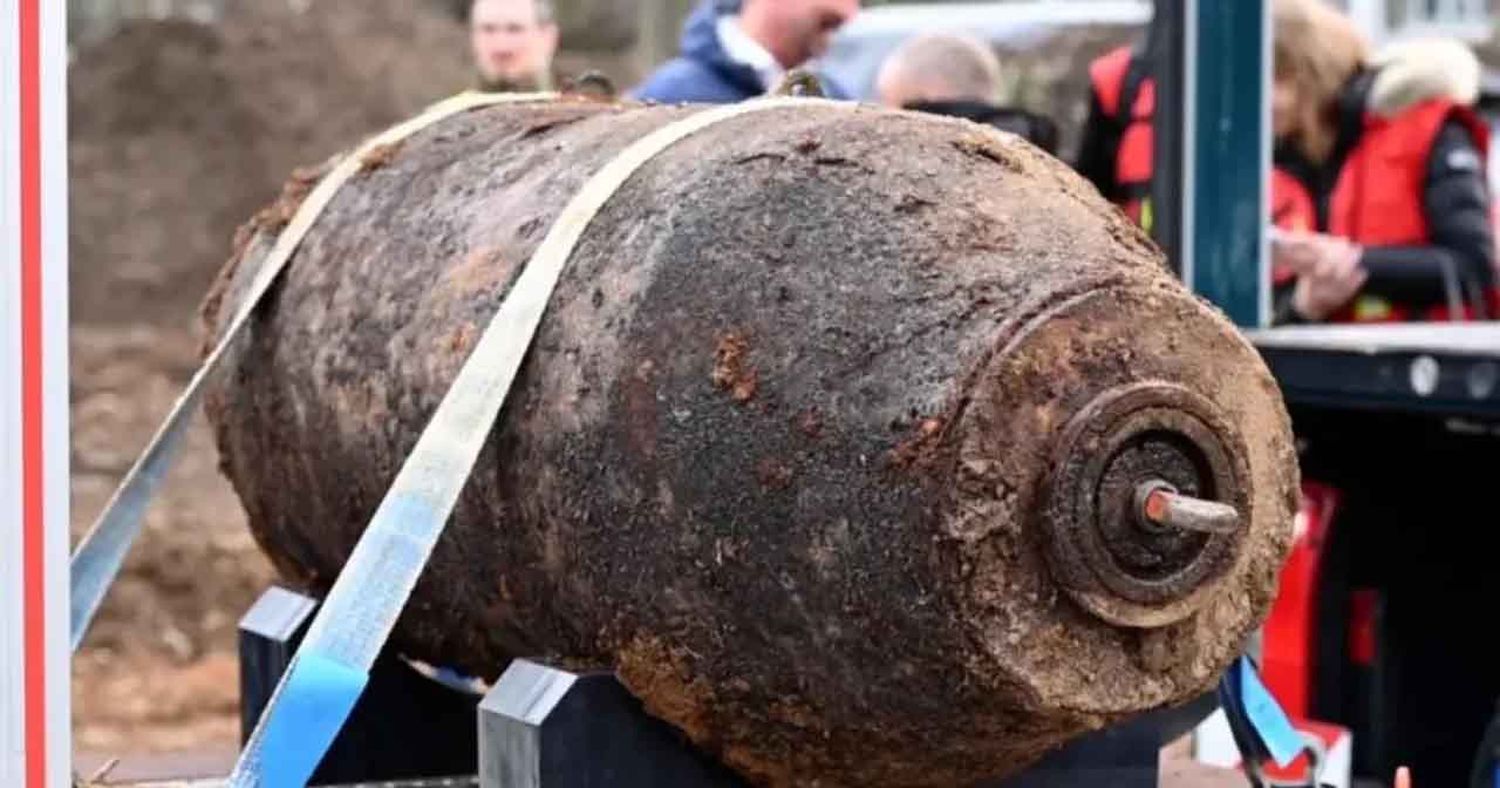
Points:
(158, 672)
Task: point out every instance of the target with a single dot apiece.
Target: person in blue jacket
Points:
(733, 50)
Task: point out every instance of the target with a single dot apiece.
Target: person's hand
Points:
(1403, 778)
(1296, 252)
(1303, 253)
(1328, 274)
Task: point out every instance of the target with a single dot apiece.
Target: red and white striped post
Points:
(35, 731)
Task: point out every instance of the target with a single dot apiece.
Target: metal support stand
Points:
(406, 726)
(1127, 756)
(541, 727)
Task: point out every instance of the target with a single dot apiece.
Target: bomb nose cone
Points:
(1145, 482)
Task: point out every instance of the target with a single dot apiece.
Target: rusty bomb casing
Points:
(832, 442)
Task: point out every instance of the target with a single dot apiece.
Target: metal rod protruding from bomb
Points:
(1160, 504)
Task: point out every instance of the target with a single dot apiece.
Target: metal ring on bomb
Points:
(1103, 547)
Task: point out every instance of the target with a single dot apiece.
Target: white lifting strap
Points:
(98, 557)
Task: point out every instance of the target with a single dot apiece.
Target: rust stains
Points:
(461, 339)
(640, 407)
(549, 124)
(773, 474)
(660, 674)
(270, 219)
(810, 423)
(795, 713)
(482, 273)
(279, 214)
(378, 157)
(919, 448)
(732, 371)
(986, 145)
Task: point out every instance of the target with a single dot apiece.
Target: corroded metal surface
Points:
(1140, 434)
(808, 446)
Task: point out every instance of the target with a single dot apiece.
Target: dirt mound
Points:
(179, 132)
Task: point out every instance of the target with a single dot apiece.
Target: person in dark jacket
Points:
(733, 50)
(1379, 190)
(958, 76)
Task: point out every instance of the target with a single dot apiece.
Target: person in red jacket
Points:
(1118, 143)
(1379, 190)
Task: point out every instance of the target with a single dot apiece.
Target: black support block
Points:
(405, 726)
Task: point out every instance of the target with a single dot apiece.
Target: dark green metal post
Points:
(1227, 152)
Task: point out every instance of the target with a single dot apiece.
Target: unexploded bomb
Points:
(831, 442)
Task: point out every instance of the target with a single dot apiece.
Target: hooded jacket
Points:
(703, 73)
(1405, 180)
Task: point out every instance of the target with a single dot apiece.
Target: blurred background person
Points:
(514, 42)
(733, 50)
(1118, 146)
(1379, 187)
(959, 76)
